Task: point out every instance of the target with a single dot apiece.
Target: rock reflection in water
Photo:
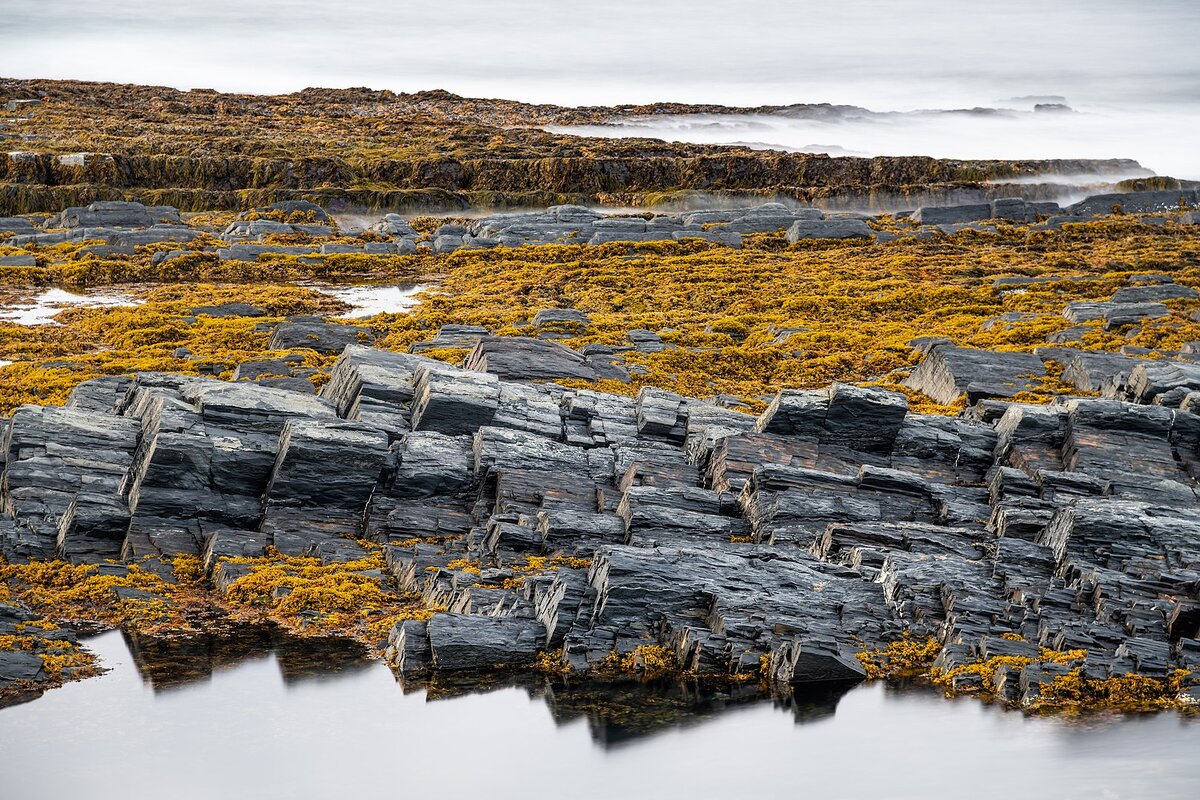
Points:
(173, 662)
(256, 714)
(619, 715)
(622, 712)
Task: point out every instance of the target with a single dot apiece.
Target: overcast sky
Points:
(881, 53)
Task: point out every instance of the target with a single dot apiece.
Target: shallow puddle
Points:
(42, 309)
(264, 716)
(367, 301)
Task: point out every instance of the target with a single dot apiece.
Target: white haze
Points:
(1153, 138)
(1132, 65)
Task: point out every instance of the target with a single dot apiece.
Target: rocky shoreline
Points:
(611, 532)
(490, 518)
(366, 151)
(117, 228)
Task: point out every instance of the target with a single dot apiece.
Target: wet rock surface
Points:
(629, 532)
(121, 226)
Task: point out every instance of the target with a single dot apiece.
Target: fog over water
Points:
(1130, 66)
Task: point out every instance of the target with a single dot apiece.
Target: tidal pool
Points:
(42, 309)
(259, 715)
(367, 301)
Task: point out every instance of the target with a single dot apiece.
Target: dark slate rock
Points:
(1134, 202)
(452, 336)
(19, 665)
(116, 213)
(465, 642)
(452, 401)
(523, 358)
(251, 370)
(315, 334)
(1155, 293)
(228, 310)
(16, 225)
(829, 229)
(951, 215)
(948, 372)
(566, 320)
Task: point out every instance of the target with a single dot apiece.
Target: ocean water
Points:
(1128, 69)
(256, 716)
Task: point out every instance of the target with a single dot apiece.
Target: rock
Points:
(18, 106)
(303, 207)
(1155, 293)
(630, 233)
(453, 401)
(365, 248)
(118, 214)
(1069, 335)
(646, 341)
(1095, 372)
(674, 531)
(951, 215)
(103, 394)
(447, 243)
(18, 261)
(326, 470)
(1154, 381)
(395, 225)
(19, 225)
(251, 252)
(19, 665)
(829, 229)
(155, 234)
(1115, 315)
(302, 385)
(523, 358)
(561, 320)
(1134, 202)
(259, 229)
(228, 310)
(947, 373)
(452, 336)
(252, 370)
(1015, 209)
(315, 334)
(464, 642)
(61, 476)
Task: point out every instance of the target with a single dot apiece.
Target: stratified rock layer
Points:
(544, 518)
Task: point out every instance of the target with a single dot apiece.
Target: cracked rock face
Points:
(832, 523)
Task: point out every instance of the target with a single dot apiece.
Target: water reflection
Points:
(367, 301)
(256, 714)
(615, 713)
(173, 663)
(42, 309)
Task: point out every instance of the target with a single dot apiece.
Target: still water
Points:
(260, 716)
(43, 308)
(369, 300)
